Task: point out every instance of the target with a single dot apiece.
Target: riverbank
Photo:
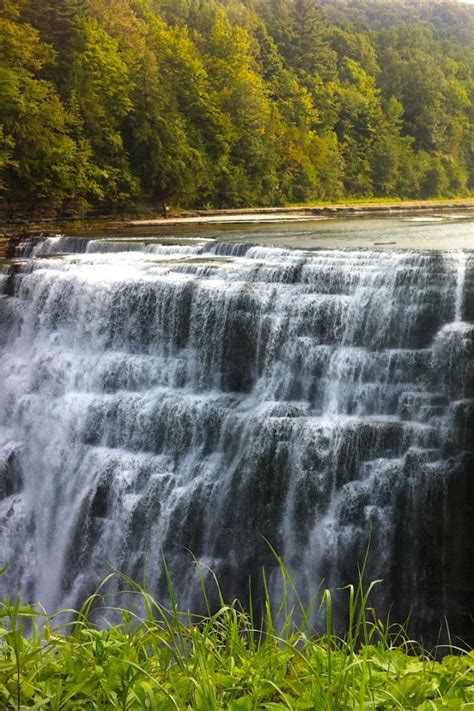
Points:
(305, 212)
(148, 215)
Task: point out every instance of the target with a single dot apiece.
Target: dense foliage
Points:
(167, 660)
(234, 102)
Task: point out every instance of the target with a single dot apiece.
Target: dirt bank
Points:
(294, 214)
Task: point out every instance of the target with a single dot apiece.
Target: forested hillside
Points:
(229, 103)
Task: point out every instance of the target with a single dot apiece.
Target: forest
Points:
(233, 103)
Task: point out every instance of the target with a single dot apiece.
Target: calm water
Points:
(443, 231)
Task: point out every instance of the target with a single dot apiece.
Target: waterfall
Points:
(161, 399)
(461, 259)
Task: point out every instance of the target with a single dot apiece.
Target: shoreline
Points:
(300, 213)
(145, 215)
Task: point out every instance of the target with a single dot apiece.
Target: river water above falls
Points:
(205, 396)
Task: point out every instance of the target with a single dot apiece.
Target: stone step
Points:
(421, 406)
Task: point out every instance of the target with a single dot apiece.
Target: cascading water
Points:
(206, 397)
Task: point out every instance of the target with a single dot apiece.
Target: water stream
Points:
(209, 396)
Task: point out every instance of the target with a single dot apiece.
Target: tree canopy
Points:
(225, 103)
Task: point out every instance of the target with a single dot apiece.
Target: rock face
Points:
(207, 397)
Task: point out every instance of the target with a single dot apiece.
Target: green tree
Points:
(233, 102)
(100, 91)
(39, 161)
(360, 121)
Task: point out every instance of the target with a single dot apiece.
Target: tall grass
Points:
(109, 657)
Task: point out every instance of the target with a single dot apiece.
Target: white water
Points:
(203, 397)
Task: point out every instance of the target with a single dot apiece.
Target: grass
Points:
(166, 659)
(376, 201)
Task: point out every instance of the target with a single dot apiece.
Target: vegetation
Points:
(167, 660)
(230, 103)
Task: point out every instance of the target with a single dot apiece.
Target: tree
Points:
(233, 102)
(101, 89)
(311, 52)
(38, 157)
(360, 120)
